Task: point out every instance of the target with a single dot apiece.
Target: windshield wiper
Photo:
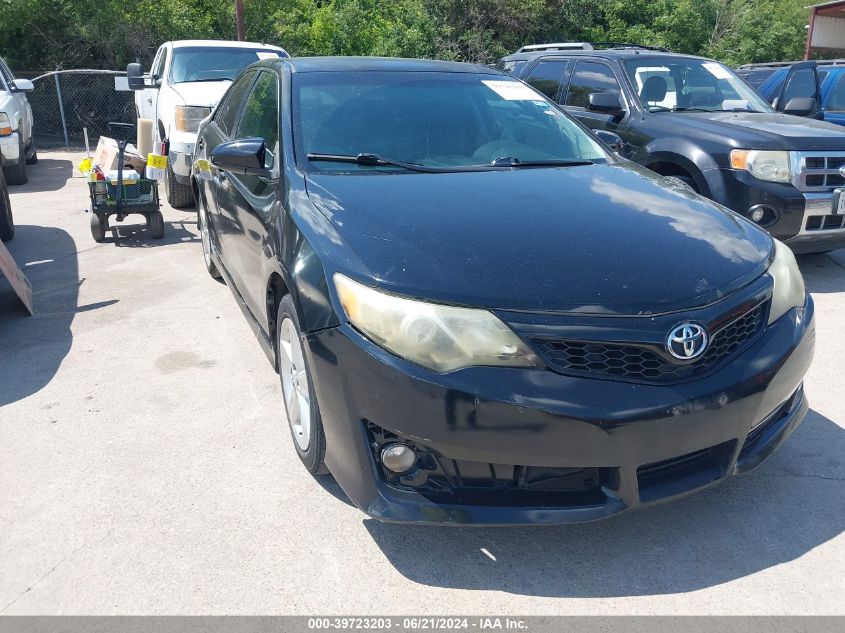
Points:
(513, 161)
(374, 160)
(197, 81)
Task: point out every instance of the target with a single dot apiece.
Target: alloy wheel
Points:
(295, 389)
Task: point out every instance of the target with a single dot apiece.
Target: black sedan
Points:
(478, 313)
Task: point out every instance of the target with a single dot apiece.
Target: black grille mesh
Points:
(642, 363)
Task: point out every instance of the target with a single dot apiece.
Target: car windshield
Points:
(694, 85)
(431, 119)
(210, 63)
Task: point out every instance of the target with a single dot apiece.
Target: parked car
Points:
(478, 313)
(823, 81)
(185, 81)
(7, 222)
(17, 145)
(694, 119)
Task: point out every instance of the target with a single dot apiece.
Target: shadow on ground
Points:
(137, 234)
(32, 348)
(823, 273)
(50, 174)
(779, 512)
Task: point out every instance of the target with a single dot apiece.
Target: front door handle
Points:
(150, 100)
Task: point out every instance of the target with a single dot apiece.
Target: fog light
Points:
(757, 215)
(398, 458)
(761, 214)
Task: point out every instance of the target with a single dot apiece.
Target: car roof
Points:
(608, 53)
(223, 44)
(346, 64)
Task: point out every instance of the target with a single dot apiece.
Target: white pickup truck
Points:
(17, 148)
(186, 80)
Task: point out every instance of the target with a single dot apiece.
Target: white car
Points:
(186, 80)
(16, 144)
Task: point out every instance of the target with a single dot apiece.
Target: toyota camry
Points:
(479, 313)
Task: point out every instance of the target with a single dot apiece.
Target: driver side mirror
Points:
(135, 77)
(605, 102)
(243, 156)
(24, 85)
(612, 139)
(801, 106)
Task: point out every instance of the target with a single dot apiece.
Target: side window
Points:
(227, 111)
(836, 100)
(6, 75)
(802, 83)
(590, 77)
(157, 69)
(546, 77)
(261, 115)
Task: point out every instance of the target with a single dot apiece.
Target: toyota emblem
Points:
(687, 341)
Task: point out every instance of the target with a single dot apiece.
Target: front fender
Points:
(681, 152)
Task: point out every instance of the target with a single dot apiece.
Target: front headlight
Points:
(789, 284)
(5, 125)
(772, 166)
(439, 337)
(188, 118)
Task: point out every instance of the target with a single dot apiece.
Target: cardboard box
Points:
(107, 152)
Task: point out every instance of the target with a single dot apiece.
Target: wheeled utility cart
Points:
(124, 197)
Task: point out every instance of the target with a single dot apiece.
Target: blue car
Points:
(781, 81)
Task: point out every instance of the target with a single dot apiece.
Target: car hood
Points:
(760, 130)
(201, 93)
(598, 238)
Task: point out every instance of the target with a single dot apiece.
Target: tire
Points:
(205, 235)
(98, 228)
(178, 196)
(16, 174)
(156, 225)
(309, 441)
(7, 222)
(32, 159)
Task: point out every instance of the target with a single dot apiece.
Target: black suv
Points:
(694, 119)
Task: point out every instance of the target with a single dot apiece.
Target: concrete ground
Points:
(146, 468)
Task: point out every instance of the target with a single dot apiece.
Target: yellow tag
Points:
(85, 165)
(202, 165)
(156, 162)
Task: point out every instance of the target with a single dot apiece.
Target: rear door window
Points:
(547, 76)
(802, 83)
(227, 112)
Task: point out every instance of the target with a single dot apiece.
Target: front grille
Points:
(644, 363)
(685, 472)
(768, 422)
(824, 222)
(820, 173)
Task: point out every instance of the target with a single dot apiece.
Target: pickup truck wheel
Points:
(7, 222)
(16, 174)
(179, 196)
(306, 427)
(32, 154)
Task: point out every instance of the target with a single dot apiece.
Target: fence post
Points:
(61, 105)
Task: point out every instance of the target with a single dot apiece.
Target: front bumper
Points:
(640, 443)
(803, 220)
(10, 149)
(181, 155)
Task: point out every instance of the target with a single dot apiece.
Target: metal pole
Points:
(239, 20)
(61, 106)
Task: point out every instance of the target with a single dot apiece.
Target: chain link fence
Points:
(65, 102)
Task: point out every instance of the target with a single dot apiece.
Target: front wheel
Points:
(178, 196)
(98, 228)
(306, 427)
(16, 174)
